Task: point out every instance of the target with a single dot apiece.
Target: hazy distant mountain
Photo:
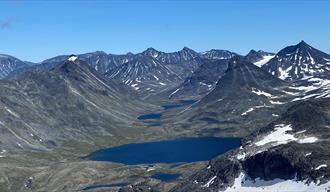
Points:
(9, 64)
(99, 60)
(218, 54)
(182, 62)
(298, 62)
(145, 74)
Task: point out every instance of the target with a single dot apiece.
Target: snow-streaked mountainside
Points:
(243, 93)
(9, 64)
(68, 106)
(183, 62)
(70, 102)
(298, 62)
(144, 74)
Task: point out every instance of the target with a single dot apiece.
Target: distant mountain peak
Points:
(253, 51)
(298, 61)
(187, 49)
(72, 58)
(150, 49)
(151, 52)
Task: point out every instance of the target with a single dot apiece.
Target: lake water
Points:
(166, 177)
(120, 184)
(170, 151)
(149, 116)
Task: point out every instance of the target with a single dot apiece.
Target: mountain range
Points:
(54, 112)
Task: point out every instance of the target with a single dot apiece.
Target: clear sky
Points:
(36, 30)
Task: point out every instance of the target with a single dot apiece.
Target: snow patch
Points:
(209, 182)
(281, 136)
(72, 58)
(264, 60)
(248, 111)
(259, 92)
(321, 166)
(242, 183)
(283, 73)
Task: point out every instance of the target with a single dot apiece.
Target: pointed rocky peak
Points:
(188, 50)
(253, 56)
(185, 48)
(252, 51)
(151, 52)
(188, 53)
(303, 44)
(301, 49)
(298, 61)
(72, 65)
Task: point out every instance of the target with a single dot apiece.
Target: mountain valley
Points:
(56, 113)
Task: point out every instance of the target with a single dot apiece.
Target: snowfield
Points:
(280, 136)
(243, 184)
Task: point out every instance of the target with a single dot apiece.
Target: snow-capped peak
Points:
(72, 58)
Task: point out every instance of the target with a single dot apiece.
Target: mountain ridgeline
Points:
(67, 106)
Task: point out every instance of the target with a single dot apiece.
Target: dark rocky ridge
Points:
(255, 56)
(40, 109)
(293, 160)
(234, 94)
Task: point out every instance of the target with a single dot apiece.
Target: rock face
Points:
(9, 64)
(183, 62)
(243, 94)
(218, 54)
(40, 109)
(201, 81)
(298, 62)
(292, 148)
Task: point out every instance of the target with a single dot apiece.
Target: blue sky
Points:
(36, 30)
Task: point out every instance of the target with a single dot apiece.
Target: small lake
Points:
(166, 177)
(171, 151)
(149, 116)
(120, 184)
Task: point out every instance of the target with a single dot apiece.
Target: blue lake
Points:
(171, 106)
(170, 151)
(120, 184)
(188, 101)
(149, 116)
(166, 177)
